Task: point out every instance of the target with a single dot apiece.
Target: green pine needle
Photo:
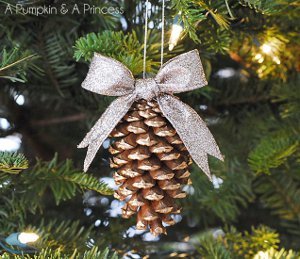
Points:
(264, 7)
(14, 64)
(272, 152)
(247, 245)
(261, 242)
(63, 179)
(12, 163)
(94, 253)
(275, 254)
(125, 48)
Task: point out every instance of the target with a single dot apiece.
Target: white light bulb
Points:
(20, 99)
(262, 255)
(25, 238)
(266, 48)
(175, 35)
(258, 56)
(276, 60)
(261, 60)
(4, 124)
(11, 142)
(226, 72)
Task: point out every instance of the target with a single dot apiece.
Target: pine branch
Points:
(247, 245)
(273, 151)
(210, 248)
(124, 47)
(190, 16)
(282, 141)
(65, 236)
(214, 10)
(59, 120)
(12, 212)
(56, 60)
(216, 40)
(70, 238)
(14, 63)
(280, 192)
(12, 163)
(96, 253)
(239, 245)
(223, 202)
(264, 7)
(288, 98)
(274, 254)
(62, 178)
(93, 253)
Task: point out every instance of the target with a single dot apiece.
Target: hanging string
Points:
(162, 33)
(146, 38)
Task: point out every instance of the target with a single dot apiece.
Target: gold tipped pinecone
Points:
(152, 166)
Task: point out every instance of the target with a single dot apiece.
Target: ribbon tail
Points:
(202, 161)
(104, 126)
(191, 129)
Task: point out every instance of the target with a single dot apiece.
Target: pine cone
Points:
(151, 163)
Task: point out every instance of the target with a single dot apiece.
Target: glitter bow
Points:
(183, 73)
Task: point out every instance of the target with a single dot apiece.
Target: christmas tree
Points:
(50, 208)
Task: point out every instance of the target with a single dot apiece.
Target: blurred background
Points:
(250, 52)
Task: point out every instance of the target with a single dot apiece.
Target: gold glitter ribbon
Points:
(183, 73)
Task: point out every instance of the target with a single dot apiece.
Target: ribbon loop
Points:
(108, 76)
(183, 73)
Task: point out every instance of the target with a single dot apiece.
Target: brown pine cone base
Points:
(152, 166)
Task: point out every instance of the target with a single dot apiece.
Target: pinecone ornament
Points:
(152, 166)
(151, 160)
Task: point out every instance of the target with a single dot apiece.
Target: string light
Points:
(176, 31)
(276, 60)
(258, 56)
(175, 34)
(26, 238)
(18, 243)
(267, 49)
(261, 60)
(262, 255)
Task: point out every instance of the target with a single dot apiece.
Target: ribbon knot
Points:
(183, 73)
(146, 89)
